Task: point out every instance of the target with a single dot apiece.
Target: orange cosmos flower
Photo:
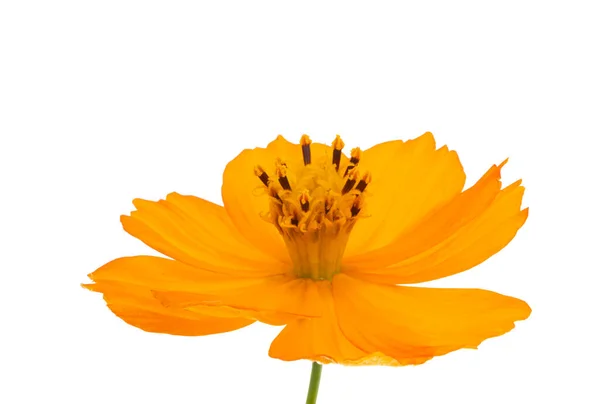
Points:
(319, 242)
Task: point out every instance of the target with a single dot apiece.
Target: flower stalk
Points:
(315, 379)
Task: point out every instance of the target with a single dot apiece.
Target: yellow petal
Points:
(467, 231)
(245, 198)
(321, 340)
(198, 233)
(409, 180)
(413, 325)
(137, 307)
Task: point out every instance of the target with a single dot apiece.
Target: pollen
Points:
(314, 206)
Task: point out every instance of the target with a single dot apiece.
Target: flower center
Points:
(315, 207)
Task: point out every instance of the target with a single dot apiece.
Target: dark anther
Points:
(262, 175)
(356, 206)
(350, 167)
(285, 184)
(362, 184)
(306, 153)
(348, 185)
(337, 157)
(281, 169)
(355, 155)
(273, 194)
(350, 182)
(305, 142)
(338, 145)
(304, 200)
(365, 180)
(305, 206)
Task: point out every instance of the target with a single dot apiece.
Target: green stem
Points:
(315, 379)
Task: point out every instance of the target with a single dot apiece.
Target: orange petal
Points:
(137, 307)
(435, 227)
(157, 273)
(413, 325)
(321, 340)
(274, 300)
(198, 233)
(409, 180)
(470, 229)
(245, 198)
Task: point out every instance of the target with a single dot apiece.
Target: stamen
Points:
(292, 214)
(279, 161)
(355, 155)
(262, 175)
(329, 202)
(314, 208)
(281, 171)
(305, 143)
(273, 191)
(353, 176)
(338, 145)
(356, 207)
(304, 200)
(362, 184)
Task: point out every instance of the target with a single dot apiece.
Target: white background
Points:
(102, 102)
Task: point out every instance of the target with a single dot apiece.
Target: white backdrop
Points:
(102, 102)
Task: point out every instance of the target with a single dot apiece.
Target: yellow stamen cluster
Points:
(315, 206)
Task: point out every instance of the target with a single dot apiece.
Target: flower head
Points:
(319, 242)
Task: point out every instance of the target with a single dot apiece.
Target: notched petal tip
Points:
(526, 311)
(426, 138)
(281, 140)
(516, 184)
(139, 203)
(174, 195)
(125, 220)
(90, 286)
(521, 307)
